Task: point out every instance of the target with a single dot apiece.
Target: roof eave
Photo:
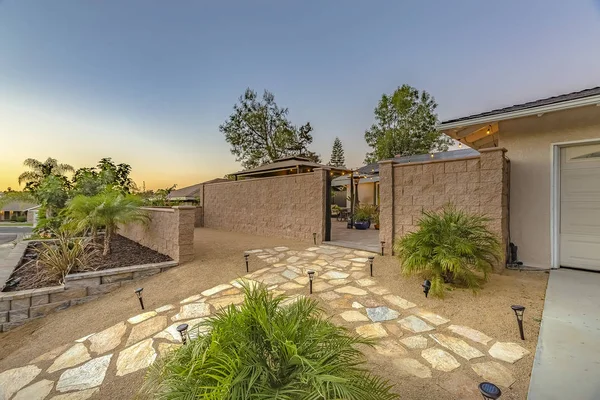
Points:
(565, 105)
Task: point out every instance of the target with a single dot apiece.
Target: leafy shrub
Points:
(267, 349)
(57, 258)
(450, 246)
(364, 212)
(21, 218)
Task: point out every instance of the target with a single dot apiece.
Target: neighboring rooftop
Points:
(569, 97)
(284, 166)
(191, 192)
(18, 206)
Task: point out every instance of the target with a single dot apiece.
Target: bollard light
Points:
(382, 244)
(311, 276)
(519, 311)
(371, 258)
(182, 329)
(489, 391)
(138, 293)
(246, 255)
(315, 238)
(426, 287)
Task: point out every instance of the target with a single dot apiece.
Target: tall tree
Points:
(40, 170)
(337, 154)
(404, 125)
(259, 131)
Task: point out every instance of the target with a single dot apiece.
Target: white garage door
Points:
(580, 207)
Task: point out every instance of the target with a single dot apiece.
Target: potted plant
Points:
(362, 217)
(335, 210)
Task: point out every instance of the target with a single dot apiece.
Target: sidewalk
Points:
(567, 360)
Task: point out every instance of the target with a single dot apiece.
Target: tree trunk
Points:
(94, 234)
(107, 238)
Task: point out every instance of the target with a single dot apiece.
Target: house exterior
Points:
(12, 210)
(554, 149)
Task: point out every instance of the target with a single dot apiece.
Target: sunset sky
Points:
(149, 82)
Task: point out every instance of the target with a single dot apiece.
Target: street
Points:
(15, 229)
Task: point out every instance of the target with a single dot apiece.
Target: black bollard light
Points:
(382, 244)
(489, 391)
(426, 287)
(138, 293)
(315, 238)
(311, 276)
(246, 255)
(182, 329)
(371, 258)
(519, 311)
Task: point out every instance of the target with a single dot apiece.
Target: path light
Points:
(246, 255)
(426, 287)
(371, 258)
(182, 329)
(138, 293)
(489, 391)
(315, 238)
(311, 276)
(519, 311)
(382, 244)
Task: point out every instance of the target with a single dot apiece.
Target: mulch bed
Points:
(125, 253)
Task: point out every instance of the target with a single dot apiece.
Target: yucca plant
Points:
(268, 348)
(57, 258)
(450, 246)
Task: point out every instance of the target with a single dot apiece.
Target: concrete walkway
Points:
(567, 360)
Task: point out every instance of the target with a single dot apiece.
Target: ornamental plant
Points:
(451, 246)
(268, 348)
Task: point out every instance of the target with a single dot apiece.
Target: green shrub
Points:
(267, 349)
(450, 247)
(364, 212)
(21, 218)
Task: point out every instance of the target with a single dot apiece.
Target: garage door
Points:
(580, 207)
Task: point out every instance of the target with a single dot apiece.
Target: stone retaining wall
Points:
(289, 206)
(17, 308)
(478, 184)
(170, 231)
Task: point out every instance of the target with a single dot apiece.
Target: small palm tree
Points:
(81, 209)
(450, 246)
(267, 349)
(41, 170)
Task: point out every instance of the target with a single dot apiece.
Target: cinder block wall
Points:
(475, 184)
(290, 206)
(170, 231)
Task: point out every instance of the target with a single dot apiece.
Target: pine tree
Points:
(337, 154)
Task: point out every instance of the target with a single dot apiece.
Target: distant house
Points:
(191, 193)
(15, 209)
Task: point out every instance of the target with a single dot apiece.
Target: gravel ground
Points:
(219, 259)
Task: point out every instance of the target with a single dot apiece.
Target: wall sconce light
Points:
(138, 293)
(246, 255)
(311, 276)
(426, 287)
(182, 329)
(489, 391)
(382, 244)
(519, 311)
(489, 130)
(371, 258)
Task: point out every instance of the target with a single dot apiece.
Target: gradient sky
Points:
(148, 82)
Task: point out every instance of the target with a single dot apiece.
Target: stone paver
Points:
(13, 380)
(415, 325)
(411, 366)
(343, 287)
(440, 360)
(470, 333)
(379, 314)
(458, 346)
(495, 372)
(509, 352)
(87, 376)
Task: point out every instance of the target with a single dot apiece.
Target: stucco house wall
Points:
(528, 142)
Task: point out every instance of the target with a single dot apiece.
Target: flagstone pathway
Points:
(413, 340)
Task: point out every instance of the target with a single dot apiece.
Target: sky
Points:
(148, 82)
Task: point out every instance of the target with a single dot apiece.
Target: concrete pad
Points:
(566, 361)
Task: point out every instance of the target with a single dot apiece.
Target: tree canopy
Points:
(404, 125)
(38, 170)
(337, 154)
(259, 131)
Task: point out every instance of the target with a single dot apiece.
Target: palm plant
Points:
(111, 209)
(450, 246)
(268, 348)
(80, 209)
(40, 170)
